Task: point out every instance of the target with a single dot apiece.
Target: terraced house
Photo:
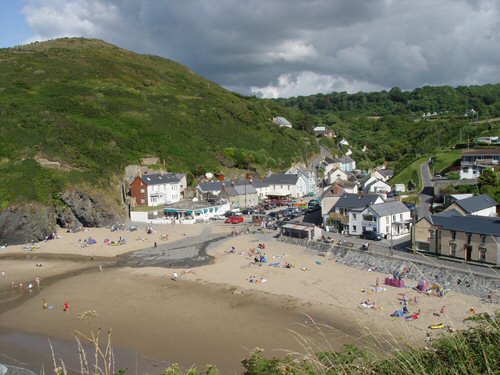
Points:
(468, 238)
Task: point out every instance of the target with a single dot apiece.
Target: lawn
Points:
(411, 172)
(444, 159)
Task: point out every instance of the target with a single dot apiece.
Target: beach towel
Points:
(318, 262)
(275, 264)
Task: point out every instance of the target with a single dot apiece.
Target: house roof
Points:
(319, 129)
(375, 182)
(353, 201)
(281, 121)
(259, 184)
(233, 188)
(158, 179)
(282, 179)
(484, 151)
(467, 224)
(387, 173)
(389, 208)
(477, 203)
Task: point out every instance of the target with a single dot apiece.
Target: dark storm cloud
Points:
(294, 47)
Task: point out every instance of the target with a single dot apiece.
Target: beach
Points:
(211, 312)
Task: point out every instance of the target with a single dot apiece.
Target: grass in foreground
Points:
(471, 351)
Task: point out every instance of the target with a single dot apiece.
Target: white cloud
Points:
(308, 83)
(282, 46)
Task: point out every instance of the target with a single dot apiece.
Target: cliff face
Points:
(25, 223)
(33, 222)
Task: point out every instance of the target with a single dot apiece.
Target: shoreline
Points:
(213, 305)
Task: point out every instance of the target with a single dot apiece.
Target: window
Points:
(354, 216)
(393, 217)
(431, 234)
(354, 228)
(143, 201)
(387, 229)
(401, 217)
(483, 239)
(143, 191)
(453, 249)
(453, 235)
(482, 253)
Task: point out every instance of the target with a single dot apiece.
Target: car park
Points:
(372, 235)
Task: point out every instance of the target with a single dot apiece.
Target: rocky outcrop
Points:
(34, 222)
(66, 219)
(25, 223)
(90, 210)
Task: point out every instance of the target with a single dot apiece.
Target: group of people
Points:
(29, 286)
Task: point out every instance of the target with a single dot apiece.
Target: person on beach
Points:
(45, 306)
(37, 281)
(155, 245)
(100, 268)
(66, 307)
(489, 299)
(377, 282)
(442, 309)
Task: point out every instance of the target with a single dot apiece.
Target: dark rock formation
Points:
(25, 223)
(66, 219)
(89, 210)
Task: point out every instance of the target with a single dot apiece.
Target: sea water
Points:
(14, 370)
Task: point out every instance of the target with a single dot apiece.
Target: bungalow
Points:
(383, 174)
(469, 238)
(282, 122)
(155, 189)
(286, 185)
(392, 219)
(479, 205)
(339, 213)
(370, 184)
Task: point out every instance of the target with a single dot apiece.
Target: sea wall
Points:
(471, 283)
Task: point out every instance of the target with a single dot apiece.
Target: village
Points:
(333, 201)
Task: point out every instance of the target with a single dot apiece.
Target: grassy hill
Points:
(95, 108)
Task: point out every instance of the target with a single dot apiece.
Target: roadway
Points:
(427, 193)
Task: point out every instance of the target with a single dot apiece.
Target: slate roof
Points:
(237, 189)
(494, 151)
(467, 224)
(354, 201)
(259, 184)
(387, 173)
(159, 179)
(477, 203)
(282, 179)
(389, 208)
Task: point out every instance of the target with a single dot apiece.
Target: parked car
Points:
(234, 220)
(248, 211)
(372, 235)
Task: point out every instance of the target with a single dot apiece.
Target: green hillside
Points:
(95, 108)
(402, 126)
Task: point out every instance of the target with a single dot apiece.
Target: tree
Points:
(487, 178)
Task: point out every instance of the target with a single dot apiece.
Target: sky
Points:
(283, 48)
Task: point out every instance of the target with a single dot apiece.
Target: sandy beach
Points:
(212, 313)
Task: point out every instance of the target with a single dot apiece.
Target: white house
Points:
(383, 174)
(283, 185)
(155, 189)
(262, 188)
(343, 142)
(347, 203)
(390, 218)
(479, 205)
(336, 174)
(370, 184)
(309, 177)
(282, 122)
(474, 162)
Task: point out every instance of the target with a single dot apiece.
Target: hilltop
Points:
(74, 112)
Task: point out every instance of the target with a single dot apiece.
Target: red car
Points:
(235, 220)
